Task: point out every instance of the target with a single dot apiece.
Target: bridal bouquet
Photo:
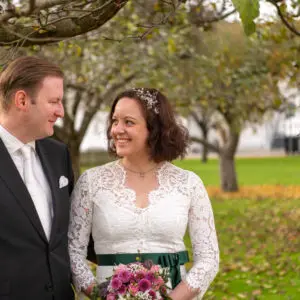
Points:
(136, 281)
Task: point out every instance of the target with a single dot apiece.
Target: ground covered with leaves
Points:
(259, 243)
(258, 230)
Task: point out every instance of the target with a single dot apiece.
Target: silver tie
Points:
(36, 191)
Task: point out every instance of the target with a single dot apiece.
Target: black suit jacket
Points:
(31, 267)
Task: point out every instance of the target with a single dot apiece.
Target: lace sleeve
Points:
(203, 237)
(79, 233)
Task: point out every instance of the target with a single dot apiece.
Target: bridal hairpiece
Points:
(150, 98)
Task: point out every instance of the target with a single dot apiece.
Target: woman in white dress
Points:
(141, 205)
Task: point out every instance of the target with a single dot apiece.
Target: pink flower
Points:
(124, 276)
(163, 290)
(158, 281)
(150, 276)
(139, 275)
(155, 268)
(152, 294)
(116, 283)
(144, 285)
(133, 289)
(111, 297)
(120, 268)
(122, 290)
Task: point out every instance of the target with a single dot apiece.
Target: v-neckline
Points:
(133, 192)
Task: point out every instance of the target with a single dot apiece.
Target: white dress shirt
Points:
(14, 146)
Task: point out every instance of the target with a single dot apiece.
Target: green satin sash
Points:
(171, 260)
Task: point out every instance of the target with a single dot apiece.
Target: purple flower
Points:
(116, 283)
(124, 276)
(103, 289)
(150, 276)
(144, 285)
(148, 264)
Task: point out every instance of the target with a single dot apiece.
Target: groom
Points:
(35, 183)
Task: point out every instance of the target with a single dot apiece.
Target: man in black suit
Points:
(36, 180)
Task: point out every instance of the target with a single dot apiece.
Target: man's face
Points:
(46, 108)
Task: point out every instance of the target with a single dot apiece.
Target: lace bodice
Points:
(103, 205)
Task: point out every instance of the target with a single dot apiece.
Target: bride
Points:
(141, 204)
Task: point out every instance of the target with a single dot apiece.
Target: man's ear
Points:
(21, 100)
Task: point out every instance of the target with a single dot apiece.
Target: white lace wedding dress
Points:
(103, 205)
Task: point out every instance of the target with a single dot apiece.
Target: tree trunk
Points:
(228, 173)
(227, 163)
(205, 147)
(73, 146)
(204, 154)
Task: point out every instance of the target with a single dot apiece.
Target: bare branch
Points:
(43, 4)
(76, 86)
(150, 27)
(95, 101)
(34, 6)
(220, 17)
(60, 133)
(31, 7)
(206, 143)
(78, 98)
(60, 28)
(203, 123)
(291, 27)
(118, 85)
(202, 16)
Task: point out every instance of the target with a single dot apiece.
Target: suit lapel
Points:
(46, 162)
(11, 177)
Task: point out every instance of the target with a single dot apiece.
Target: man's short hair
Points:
(25, 73)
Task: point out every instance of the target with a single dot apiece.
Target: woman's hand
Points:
(183, 292)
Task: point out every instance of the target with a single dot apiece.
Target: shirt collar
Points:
(11, 142)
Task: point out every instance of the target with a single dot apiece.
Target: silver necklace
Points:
(141, 174)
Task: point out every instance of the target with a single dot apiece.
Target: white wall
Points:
(95, 137)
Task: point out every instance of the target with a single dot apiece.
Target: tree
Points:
(38, 22)
(172, 63)
(241, 84)
(288, 12)
(203, 117)
(207, 70)
(41, 21)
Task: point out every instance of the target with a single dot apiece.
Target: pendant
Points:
(142, 175)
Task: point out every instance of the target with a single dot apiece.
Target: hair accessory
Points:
(150, 98)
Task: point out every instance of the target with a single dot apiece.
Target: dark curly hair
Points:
(167, 139)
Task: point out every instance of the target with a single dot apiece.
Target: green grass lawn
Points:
(259, 244)
(251, 171)
(259, 240)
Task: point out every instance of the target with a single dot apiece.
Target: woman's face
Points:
(129, 129)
